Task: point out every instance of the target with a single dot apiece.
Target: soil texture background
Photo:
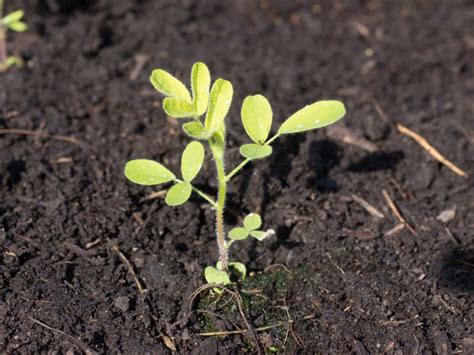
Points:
(69, 219)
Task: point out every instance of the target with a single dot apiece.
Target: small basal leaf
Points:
(257, 117)
(147, 172)
(219, 104)
(215, 276)
(200, 83)
(18, 26)
(238, 233)
(261, 235)
(177, 108)
(317, 115)
(255, 151)
(168, 85)
(12, 17)
(191, 161)
(178, 194)
(252, 221)
(240, 268)
(196, 130)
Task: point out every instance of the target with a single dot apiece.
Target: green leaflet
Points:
(219, 104)
(215, 276)
(237, 266)
(177, 108)
(12, 17)
(238, 233)
(168, 85)
(191, 160)
(196, 130)
(147, 172)
(252, 221)
(316, 115)
(200, 83)
(178, 194)
(257, 116)
(259, 235)
(255, 151)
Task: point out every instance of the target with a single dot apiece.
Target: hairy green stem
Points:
(217, 145)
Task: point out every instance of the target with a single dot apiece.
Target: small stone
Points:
(122, 303)
(447, 215)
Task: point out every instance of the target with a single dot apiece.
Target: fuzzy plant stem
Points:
(3, 44)
(217, 148)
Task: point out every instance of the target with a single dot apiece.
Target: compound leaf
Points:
(255, 151)
(257, 117)
(177, 108)
(238, 233)
(215, 276)
(178, 194)
(316, 115)
(252, 221)
(196, 130)
(191, 161)
(200, 83)
(219, 104)
(168, 85)
(12, 17)
(147, 172)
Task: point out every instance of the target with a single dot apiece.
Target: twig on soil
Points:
(268, 268)
(153, 196)
(26, 132)
(140, 61)
(394, 230)
(78, 342)
(451, 235)
(337, 266)
(402, 192)
(345, 135)
(129, 266)
(368, 207)
(397, 213)
(431, 150)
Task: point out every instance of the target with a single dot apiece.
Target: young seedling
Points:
(13, 22)
(256, 114)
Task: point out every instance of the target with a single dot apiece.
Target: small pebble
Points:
(446, 215)
(122, 303)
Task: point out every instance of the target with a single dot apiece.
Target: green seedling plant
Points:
(205, 109)
(12, 22)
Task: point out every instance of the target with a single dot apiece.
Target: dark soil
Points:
(348, 287)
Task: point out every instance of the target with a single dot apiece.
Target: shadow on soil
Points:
(457, 270)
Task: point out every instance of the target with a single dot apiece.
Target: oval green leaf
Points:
(18, 26)
(240, 268)
(12, 17)
(219, 104)
(200, 84)
(147, 172)
(255, 151)
(215, 276)
(257, 117)
(177, 108)
(238, 233)
(316, 115)
(196, 130)
(252, 221)
(168, 85)
(259, 235)
(178, 194)
(191, 161)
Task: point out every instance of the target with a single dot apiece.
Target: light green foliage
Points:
(196, 130)
(13, 60)
(255, 151)
(215, 276)
(147, 172)
(252, 221)
(168, 85)
(219, 104)
(13, 21)
(177, 108)
(191, 161)
(178, 194)
(200, 83)
(317, 115)
(257, 117)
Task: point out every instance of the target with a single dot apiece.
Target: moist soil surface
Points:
(332, 280)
